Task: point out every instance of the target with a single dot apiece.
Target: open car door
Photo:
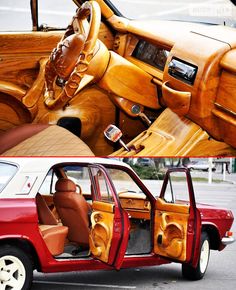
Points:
(177, 224)
(109, 232)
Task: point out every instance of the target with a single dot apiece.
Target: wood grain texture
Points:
(228, 61)
(172, 135)
(171, 225)
(126, 80)
(226, 95)
(21, 78)
(95, 110)
(106, 36)
(212, 103)
(206, 47)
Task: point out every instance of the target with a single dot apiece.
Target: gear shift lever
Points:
(114, 134)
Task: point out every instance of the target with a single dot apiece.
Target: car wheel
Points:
(197, 273)
(16, 270)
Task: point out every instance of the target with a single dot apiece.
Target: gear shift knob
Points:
(114, 134)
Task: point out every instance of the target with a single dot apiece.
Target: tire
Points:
(16, 269)
(197, 273)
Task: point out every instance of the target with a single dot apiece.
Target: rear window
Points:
(7, 171)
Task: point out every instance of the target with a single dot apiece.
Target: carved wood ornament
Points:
(70, 59)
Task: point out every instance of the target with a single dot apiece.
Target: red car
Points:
(75, 214)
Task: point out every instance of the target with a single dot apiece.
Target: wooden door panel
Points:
(100, 237)
(19, 67)
(101, 234)
(170, 234)
(20, 54)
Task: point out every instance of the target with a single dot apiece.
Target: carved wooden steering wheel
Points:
(70, 59)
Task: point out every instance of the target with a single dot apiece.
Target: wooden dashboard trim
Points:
(228, 61)
(146, 67)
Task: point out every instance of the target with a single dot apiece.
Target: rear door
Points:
(177, 221)
(109, 233)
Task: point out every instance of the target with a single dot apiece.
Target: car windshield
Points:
(204, 11)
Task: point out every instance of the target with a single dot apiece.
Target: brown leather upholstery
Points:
(54, 237)
(73, 211)
(45, 215)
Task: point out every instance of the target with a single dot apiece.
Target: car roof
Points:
(33, 170)
(44, 163)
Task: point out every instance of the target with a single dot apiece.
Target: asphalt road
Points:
(221, 272)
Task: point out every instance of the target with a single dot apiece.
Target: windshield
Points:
(204, 11)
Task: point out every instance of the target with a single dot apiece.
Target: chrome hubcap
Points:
(12, 273)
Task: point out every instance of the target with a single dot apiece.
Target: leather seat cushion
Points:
(42, 140)
(54, 237)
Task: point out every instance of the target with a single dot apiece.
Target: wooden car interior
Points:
(73, 224)
(111, 70)
(88, 224)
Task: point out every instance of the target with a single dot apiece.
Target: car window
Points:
(101, 187)
(48, 186)
(123, 182)
(7, 171)
(177, 188)
(80, 176)
(55, 13)
(15, 15)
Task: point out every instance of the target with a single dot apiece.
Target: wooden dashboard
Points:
(192, 66)
(136, 205)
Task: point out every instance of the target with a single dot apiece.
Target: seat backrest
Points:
(45, 215)
(73, 211)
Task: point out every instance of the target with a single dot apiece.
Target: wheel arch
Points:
(213, 235)
(26, 246)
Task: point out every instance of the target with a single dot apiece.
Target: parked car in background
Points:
(145, 162)
(202, 165)
(106, 218)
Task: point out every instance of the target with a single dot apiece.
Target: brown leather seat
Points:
(73, 211)
(54, 237)
(45, 215)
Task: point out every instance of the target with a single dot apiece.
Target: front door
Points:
(177, 220)
(109, 232)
